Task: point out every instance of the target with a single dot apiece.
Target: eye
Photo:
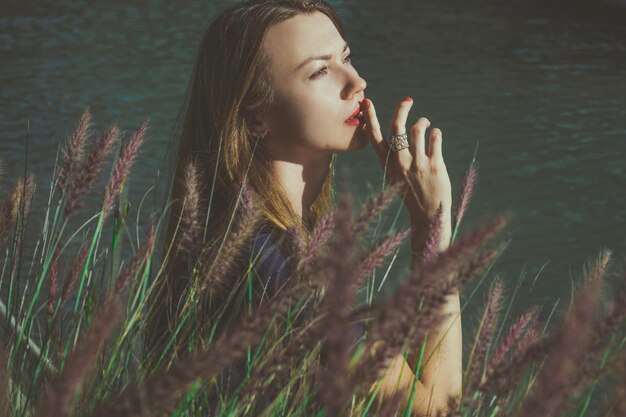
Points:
(324, 70)
(321, 72)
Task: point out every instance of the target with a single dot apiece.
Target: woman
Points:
(273, 97)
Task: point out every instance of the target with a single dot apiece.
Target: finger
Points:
(398, 127)
(372, 129)
(418, 133)
(434, 148)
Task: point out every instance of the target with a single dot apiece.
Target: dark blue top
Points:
(271, 265)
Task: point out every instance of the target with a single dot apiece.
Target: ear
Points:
(255, 123)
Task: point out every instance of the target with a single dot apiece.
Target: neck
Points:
(302, 181)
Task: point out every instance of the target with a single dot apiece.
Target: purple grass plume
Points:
(73, 154)
(324, 228)
(502, 379)
(514, 334)
(483, 339)
(142, 255)
(75, 272)
(433, 237)
(8, 215)
(16, 205)
(340, 264)
(320, 235)
(122, 167)
(216, 269)
(528, 339)
(377, 255)
(377, 205)
(57, 400)
(464, 197)
(89, 170)
(298, 242)
(23, 196)
(53, 283)
(554, 380)
(191, 224)
(606, 328)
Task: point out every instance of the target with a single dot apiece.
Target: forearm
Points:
(441, 368)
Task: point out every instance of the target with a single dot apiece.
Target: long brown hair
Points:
(230, 78)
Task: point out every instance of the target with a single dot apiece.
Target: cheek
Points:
(302, 117)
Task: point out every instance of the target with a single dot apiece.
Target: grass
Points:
(73, 323)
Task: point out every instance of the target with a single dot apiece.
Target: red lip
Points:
(354, 119)
(354, 113)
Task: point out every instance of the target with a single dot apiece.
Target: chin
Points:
(359, 141)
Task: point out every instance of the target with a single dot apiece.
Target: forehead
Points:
(292, 41)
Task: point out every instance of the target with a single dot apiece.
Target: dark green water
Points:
(540, 86)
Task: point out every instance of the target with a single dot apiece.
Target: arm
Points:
(425, 174)
(441, 368)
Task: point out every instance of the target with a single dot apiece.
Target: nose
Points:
(354, 85)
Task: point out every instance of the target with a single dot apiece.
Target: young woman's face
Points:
(314, 97)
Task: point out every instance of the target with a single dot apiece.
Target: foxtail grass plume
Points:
(377, 205)
(89, 171)
(514, 334)
(483, 339)
(298, 241)
(464, 197)
(433, 237)
(7, 217)
(501, 379)
(319, 236)
(23, 196)
(214, 273)
(339, 264)
(325, 226)
(609, 325)
(528, 339)
(74, 151)
(555, 378)
(57, 400)
(122, 168)
(191, 224)
(377, 254)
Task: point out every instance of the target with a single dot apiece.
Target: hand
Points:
(424, 173)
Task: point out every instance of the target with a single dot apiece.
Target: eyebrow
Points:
(320, 58)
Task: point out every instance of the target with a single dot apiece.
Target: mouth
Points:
(356, 117)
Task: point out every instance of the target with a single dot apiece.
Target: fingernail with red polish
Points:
(366, 103)
(409, 99)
